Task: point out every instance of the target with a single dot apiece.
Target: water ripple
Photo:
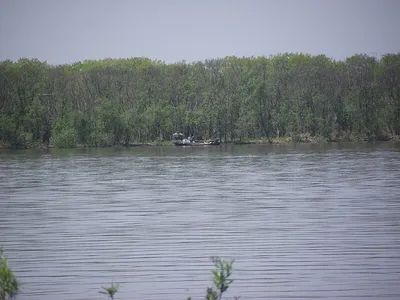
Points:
(301, 222)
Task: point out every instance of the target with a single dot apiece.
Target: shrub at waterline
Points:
(221, 279)
(9, 286)
(111, 291)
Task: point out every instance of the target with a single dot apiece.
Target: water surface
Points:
(301, 221)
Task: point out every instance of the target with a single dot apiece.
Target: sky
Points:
(66, 31)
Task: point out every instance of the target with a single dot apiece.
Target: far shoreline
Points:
(262, 141)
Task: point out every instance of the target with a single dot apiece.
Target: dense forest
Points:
(125, 101)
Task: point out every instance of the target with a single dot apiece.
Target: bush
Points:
(65, 138)
(9, 286)
(110, 291)
(221, 279)
(64, 134)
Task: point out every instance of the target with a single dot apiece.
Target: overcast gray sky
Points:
(65, 31)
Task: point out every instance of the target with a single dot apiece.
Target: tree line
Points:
(110, 102)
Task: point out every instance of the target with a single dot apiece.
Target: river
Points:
(301, 221)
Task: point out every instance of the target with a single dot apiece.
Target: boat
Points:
(214, 142)
(179, 140)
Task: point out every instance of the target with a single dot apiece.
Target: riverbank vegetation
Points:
(131, 101)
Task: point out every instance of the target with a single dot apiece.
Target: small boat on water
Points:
(179, 140)
(214, 142)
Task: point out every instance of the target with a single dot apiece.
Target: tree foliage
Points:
(122, 101)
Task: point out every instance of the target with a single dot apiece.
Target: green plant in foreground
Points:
(9, 286)
(221, 281)
(111, 291)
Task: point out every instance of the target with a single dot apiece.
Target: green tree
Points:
(116, 101)
(64, 134)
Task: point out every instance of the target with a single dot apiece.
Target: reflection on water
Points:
(301, 221)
